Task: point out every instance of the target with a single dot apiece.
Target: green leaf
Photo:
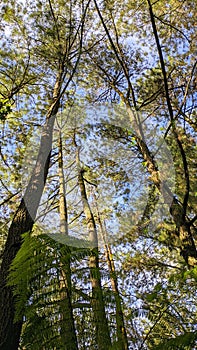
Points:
(184, 341)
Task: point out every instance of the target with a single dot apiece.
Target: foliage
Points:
(130, 114)
(35, 274)
(183, 342)
(5, 109)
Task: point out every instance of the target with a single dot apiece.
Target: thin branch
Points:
(171, 25)
(186, 89)
(119, 59)
(75, 218)
(55, 20)
(153, 326)
(170, 109)
(10, 197)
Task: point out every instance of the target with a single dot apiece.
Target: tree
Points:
(24, 216)
(127, 177)
(102, 332)
(129, 97)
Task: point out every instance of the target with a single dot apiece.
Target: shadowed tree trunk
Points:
(121, 330)
(102, 331)
(68, 333)
(177, 210)
(66, 62)
(22, 222)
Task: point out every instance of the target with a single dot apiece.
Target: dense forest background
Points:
(98, 150)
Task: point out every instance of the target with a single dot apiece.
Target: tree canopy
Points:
(98, 192)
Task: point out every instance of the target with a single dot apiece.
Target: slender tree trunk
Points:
(22, 222)
(187, 245)
(177, 210)
(25, 215)
(62, 191)
(121, 330)
(68, 333)
(188, 248)
(97, 302)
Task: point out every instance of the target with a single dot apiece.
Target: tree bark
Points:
(121, 330)
(187, 248)
(25, 215)
(22, 222)
(102, 331)
(68, 332)
(178, 211)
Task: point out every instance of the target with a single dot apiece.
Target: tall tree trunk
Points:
(97, 302)
(121, 330)
(68, 333)
(22, 222)
(187, 249)
(178, 211)
(25, 214)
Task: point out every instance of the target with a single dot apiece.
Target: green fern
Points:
(34, 276)
(186, 341)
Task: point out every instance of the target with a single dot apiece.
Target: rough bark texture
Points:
(26, 213)
(177, 210)
(187, 247)
(102, 331)
(62, 192)
(23, 222)
(121, 330)
(9, 332)
(68, 332)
